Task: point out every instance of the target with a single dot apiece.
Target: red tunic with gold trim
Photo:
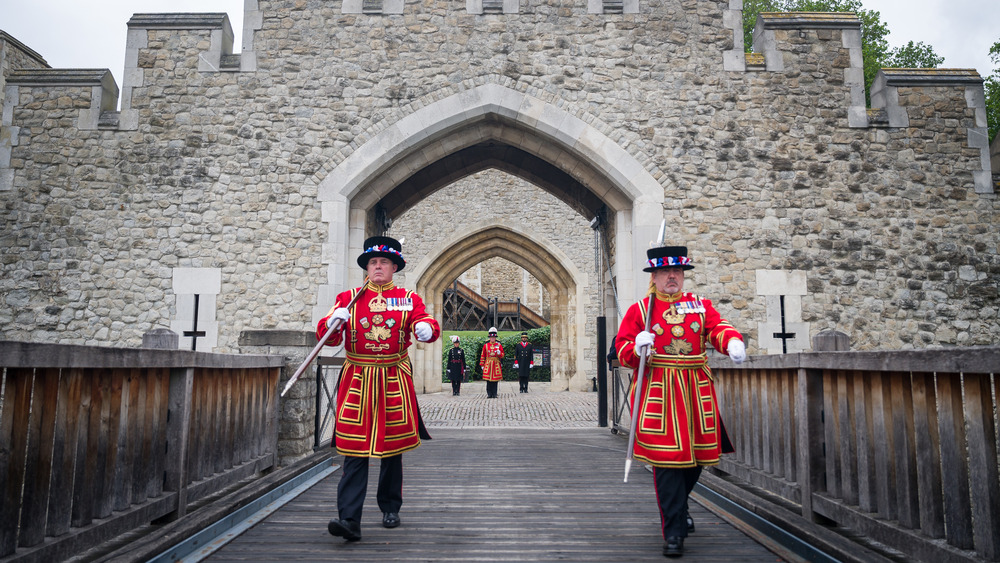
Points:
(679, 423)
(489, 360)
(377, 411)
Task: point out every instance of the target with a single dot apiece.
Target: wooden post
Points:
(178, 424)
(982, 444)
(812, 459)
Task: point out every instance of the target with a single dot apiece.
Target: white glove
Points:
(423, 331)
(737, 351)
(644, 343)
(342, 314)
(531, 365)
(515, 365)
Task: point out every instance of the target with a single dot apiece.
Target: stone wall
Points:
(261, 171)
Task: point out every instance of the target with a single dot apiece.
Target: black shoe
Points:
(690, 523)
(390, 519)
(347, 529)
(674, 547)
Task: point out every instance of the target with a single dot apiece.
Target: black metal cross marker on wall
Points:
(194, 333)
(784, 335)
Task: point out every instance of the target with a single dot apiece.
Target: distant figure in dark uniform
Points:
(456, 365)
(524, 360)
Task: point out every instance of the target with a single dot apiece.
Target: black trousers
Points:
(672, 489)
(491, 388)
(353, 486)
(522, 377)
(456, 385)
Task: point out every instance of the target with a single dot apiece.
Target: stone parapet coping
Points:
(808, 20)
(215, 20)
(62, 77)
(931, 76)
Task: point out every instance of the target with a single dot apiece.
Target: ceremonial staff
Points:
(641, 374)
(636, 405)
(322, 341)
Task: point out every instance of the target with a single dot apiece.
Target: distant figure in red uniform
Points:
(377, 412)
(489, 363)
(679, 430)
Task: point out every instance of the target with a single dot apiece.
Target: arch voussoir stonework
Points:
(566, 285)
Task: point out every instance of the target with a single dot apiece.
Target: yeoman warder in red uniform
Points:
(679, 430)
(377, 412)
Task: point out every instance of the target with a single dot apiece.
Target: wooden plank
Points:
(882, 430)
(768, 420)
(86, 455)
(830, 439)
(928, 456)
(809, 389)
(755, 418)
(158, 434)
(13, 449)
(64, 452)
(845, 431)
(458, 505)
(226, 424)
(983, 474)
(865, 436)
(111, 430)
(128, 431)
(178, 430)
(951, 422)
(141, 442)
(788, 430)
(904, 456)
(209, 431)
(38, 463)
(119, 465)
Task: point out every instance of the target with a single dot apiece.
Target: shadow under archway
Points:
(541, 259)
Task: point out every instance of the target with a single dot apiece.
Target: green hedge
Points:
(473, 340)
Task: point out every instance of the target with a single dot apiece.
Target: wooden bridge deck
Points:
(499, 494)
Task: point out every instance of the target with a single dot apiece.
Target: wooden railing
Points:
(899, 446)
(95, 442)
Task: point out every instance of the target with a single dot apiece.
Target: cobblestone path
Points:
(539, 408)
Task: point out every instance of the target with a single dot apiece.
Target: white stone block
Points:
(202, 281)
(781, 282)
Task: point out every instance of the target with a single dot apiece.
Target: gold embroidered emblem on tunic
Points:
(677, 330)
(378, 333)
(678, 348)
(672, 317)
(377, 304)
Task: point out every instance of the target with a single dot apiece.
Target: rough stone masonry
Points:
(238, 187)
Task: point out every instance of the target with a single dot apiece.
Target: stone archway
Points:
(543, 260)
(488, 126)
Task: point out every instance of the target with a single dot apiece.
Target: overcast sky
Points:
(79, 34)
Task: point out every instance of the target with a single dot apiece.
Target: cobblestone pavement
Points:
(539, 408)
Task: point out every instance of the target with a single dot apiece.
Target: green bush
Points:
(472, 342)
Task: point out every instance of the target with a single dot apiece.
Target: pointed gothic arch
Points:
(543, 260)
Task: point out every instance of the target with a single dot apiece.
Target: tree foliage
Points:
(913, 55)
(875, 49)
(992, 85)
